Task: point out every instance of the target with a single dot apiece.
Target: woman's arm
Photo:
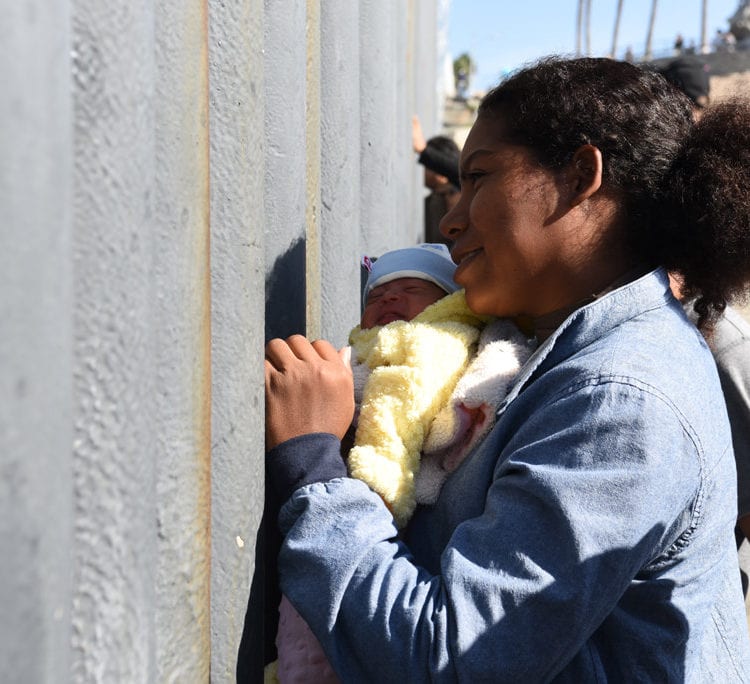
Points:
(523, 586)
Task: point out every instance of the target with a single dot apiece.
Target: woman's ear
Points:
(585, 173)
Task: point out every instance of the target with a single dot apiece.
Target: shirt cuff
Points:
(303, 460)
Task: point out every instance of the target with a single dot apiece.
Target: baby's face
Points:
(399, 300)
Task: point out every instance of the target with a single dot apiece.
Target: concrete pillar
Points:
(180, 300)
(341, 241)
(141, 332)
(313, 225)
(181, 181)
(237, 281)
(36, 433)
(115, 450)
(381, 132)
(285, 190)
(425, 94)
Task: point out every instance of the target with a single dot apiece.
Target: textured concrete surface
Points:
(181, 180)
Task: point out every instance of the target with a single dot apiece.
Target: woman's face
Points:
(505, 228)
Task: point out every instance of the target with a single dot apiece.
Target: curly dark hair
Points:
(705, 215)
(683, 187)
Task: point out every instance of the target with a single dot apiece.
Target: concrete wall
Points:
(181, 180)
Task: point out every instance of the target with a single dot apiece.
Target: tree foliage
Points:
(463, 64)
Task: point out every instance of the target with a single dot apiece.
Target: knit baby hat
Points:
(428, 261)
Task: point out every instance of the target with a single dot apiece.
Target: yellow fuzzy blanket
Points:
(414, 366)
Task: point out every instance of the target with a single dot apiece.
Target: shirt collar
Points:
(545, 325)
(621, 300)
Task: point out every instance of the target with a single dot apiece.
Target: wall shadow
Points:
(285, 294)
(285, 315)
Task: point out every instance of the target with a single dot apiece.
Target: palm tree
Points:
(463, 69)
(618, 16)
(649, 37)
(584, 18)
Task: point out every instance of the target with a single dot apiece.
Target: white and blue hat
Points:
(427, 261)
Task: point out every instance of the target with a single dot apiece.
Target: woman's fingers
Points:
(283, 352)
(326, 350)
(308, 389)
(279, 352)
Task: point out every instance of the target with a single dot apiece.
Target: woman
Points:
(589, 536)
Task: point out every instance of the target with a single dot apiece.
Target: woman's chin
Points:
(477, 303)
(484, 304)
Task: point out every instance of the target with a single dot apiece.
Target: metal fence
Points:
(180, 181)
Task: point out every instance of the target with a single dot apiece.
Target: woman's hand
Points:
(309, 389)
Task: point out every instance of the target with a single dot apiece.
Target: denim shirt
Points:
(588, 538)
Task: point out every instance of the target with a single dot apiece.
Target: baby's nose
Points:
(390, 295)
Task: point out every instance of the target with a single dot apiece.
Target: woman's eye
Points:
(472, 176)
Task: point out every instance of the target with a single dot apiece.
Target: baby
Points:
(428, 374)
(416, 338)
(400, 285)
(427, 381)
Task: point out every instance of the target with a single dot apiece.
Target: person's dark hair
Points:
(684, 188)
(705, 215)
(445, 145)
(690, 75)
(441, 155)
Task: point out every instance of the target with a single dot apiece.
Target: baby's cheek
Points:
(368, 317)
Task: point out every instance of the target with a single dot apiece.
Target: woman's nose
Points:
(453, 222)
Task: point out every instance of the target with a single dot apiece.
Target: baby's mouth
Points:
(389, 317)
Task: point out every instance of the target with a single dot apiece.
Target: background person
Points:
(690, 75)
(729, 336)
(439, 155)
(729, 341)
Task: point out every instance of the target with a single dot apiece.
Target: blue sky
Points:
(502, 34)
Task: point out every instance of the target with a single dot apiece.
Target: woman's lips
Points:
(470, 255)
(466, 258)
